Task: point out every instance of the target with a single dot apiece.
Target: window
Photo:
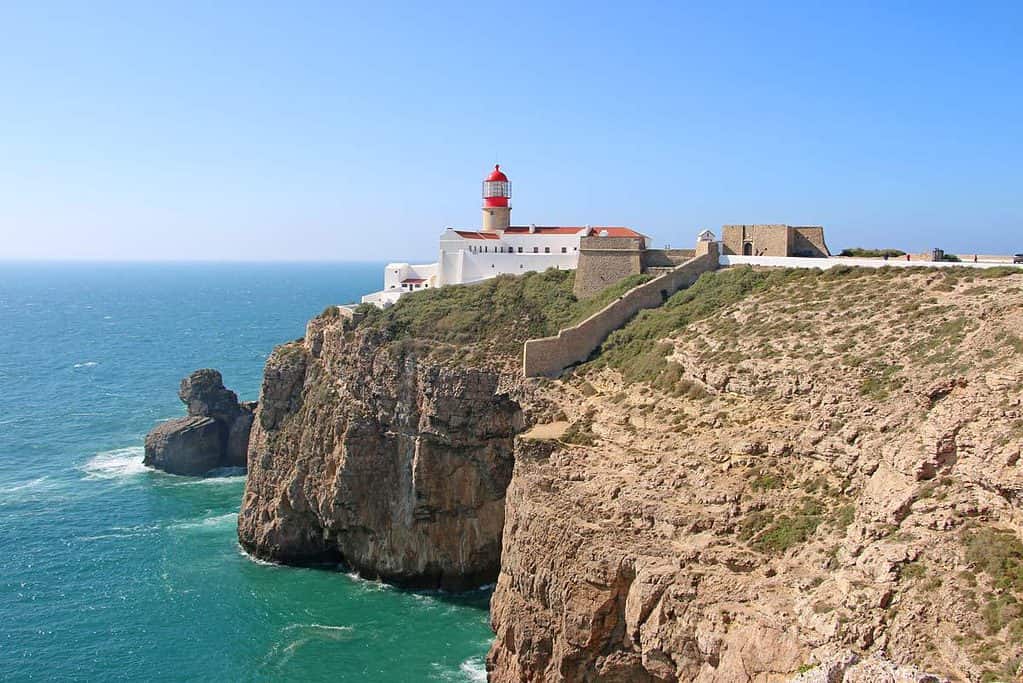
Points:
(520, 250)
(536, 250)
(546, 250)
(564, 250)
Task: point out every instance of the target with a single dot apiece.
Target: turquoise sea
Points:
(109, 571)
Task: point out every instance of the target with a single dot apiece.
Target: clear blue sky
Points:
(249, 130)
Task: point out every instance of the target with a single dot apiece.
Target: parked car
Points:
(1018, 258)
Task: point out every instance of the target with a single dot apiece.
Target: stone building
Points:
(774, 240)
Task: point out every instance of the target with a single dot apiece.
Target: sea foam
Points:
(120, 463)
(208, 522)
(474, 669)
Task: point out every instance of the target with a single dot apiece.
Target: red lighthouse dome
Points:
(496, 188)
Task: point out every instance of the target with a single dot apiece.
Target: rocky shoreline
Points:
(763, 514)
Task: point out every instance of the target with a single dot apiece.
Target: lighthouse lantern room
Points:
(496, 193)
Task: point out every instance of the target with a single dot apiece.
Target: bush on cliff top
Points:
(634, 349)
(872, 253)
(503, 311)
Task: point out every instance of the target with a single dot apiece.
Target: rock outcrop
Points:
(801, 475)
(214, 435)
(831, 466)
(372, 454)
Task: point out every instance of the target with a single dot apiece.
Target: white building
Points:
(468, 256)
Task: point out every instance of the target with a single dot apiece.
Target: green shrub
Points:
(997, 553)
(790, 530)
(872, 253)
(580, 433)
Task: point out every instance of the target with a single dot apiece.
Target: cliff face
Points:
(826, 471)
(368, 452)
(772, 476)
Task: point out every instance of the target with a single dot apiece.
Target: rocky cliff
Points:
(809, 475)
(369, 454)
(775, 476)
(384, 439)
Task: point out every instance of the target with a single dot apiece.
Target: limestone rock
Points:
(188, 446)
(204, 394)
(367, 453)
(214, 435)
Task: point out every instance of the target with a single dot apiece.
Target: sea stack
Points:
(215, 433)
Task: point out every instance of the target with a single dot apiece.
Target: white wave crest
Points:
(87, 364)
(256, 560)
(474, 668)
(37, 483)
(328, 631)
(208, 522)
(119, 463)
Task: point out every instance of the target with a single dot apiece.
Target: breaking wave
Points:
(208, 522)
(474, 668)
(120, 463)
(87, 364)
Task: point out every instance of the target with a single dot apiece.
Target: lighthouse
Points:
(496, 193)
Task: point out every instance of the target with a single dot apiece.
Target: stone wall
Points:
(765, 240)
(666, 258)
(604, 261)
(549, 356)
(808, 240)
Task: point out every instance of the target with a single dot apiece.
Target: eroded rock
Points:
(214, 435)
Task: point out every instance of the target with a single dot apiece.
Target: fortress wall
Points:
(549, 356)
(825, 263)
(604, 261)
(768, 240)
(666, 258)
(809, 241)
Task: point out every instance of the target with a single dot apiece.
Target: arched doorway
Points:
(747, 248)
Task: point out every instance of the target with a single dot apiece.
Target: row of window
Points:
(511, 250)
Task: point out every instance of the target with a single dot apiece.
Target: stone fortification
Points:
(604, 261)
(549, 356)
(774, 240)
(665, 258)
(809, 241)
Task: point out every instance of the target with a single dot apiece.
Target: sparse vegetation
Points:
(580, 433)
(503, 311)
(997, 553)
(872, 253)
(790, 529)
(636, 349)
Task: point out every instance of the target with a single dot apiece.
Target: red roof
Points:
(413, 281)
(612, 231)
(593, 230)
(473, 235)
(497, 175)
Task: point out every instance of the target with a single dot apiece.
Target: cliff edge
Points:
(384, 439)
(779, 475)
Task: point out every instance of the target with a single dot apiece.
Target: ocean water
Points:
(109, 571)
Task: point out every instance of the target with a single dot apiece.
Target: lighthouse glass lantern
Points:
(496, 188)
